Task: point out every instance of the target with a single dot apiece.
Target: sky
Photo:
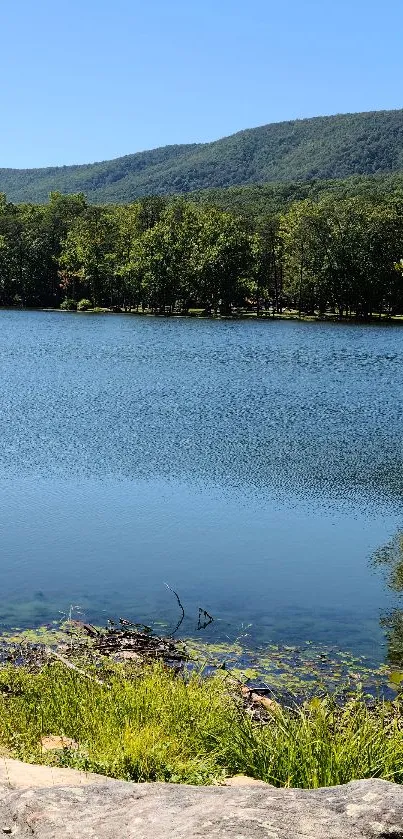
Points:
(87, 80)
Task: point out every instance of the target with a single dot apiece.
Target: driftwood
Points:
(182, 616)
(148, 647)
(123, 641)
(55, 654)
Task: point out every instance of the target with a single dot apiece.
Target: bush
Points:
(83, 305)
(68, 304)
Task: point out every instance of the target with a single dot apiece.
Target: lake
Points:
(255, 467)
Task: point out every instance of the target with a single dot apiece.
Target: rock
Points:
(53, 743)
(269, 705)
(244, 781)
(359, 810)
(128, 655)
(254, 701)
(17, 775)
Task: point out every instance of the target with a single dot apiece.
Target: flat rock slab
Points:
(16, 774)
(359, 810)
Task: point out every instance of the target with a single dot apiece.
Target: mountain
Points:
(301, 150)
(257, 200)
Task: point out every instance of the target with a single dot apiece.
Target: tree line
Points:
(331, 255)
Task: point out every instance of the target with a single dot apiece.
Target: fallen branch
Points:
(180, 606)
(71, 666)
(204, 619)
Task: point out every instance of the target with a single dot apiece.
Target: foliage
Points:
(154, 725)
(322, 147)
(83, 305)
(341, 254)
(256, 201)
(68, 304)
(334, 256)
(321, 745)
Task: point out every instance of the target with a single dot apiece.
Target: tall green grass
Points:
(158, 726)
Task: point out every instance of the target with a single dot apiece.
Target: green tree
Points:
(88, 255)
(222, 262)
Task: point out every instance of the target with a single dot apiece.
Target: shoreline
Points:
(283, 671)
(289, 315)
(139, 719)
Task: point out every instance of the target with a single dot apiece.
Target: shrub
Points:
(68, 304)
(83, 305)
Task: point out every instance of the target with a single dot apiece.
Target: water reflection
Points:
(389, 558)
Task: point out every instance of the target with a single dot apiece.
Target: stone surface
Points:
(54, 743)
(244, 781)
(16, 774)
(109, 809)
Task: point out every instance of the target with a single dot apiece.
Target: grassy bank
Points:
(150, 724)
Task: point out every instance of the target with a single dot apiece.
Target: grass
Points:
(155, 726)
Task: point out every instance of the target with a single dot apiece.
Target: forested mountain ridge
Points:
(301, 150)
(256, 201)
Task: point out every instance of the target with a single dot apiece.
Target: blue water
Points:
(254, 467)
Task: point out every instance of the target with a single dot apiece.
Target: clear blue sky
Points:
(86, 80)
